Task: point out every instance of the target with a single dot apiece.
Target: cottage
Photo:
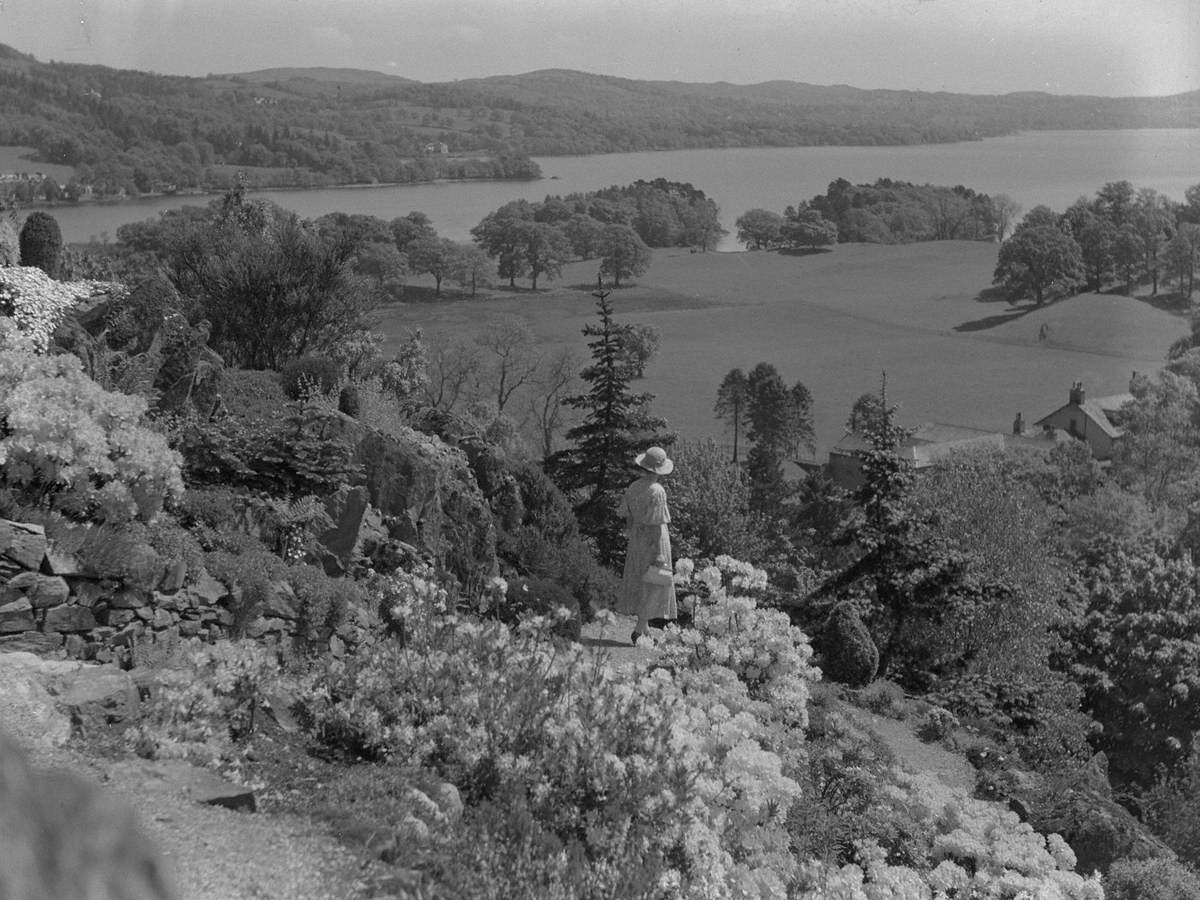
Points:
(925, 447)
(1096, 421)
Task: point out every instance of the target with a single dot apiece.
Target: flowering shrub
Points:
(675, 765)
(979, 849)
(63, 432)
(201, 711)
(760, 646)
(37, 303)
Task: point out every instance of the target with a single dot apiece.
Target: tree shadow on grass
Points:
(804, 251)
(996, 295)
(1174, 302)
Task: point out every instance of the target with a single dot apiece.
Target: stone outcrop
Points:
(425, 490)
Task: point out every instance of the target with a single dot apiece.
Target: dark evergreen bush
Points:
(349, 402)
(848, 655)
(41, 242)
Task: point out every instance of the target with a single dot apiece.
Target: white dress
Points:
(644, 506)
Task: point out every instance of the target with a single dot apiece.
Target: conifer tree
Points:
(909, 574)
(616, 426)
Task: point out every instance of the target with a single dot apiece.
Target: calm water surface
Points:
(1050, 167)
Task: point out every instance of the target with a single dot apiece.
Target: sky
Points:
(1104, 47)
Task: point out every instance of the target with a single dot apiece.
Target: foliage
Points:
(10, 249)
(884, 698)
(349, 401)
(1037, 715)
(270, 285)
(36, 303)
(65, 437)
(288, 526)
(41, 242)
(1135, 650)
(639, 343)
(1162, 879)
(1160, 452)
(305, 374)
(710, 505)
(205, 710)
(909, 571)
(1172, 808)
(616, 426)
(322, 602)
(978, 503)
(599, 758)
(977, 849)
(779, 426)
(292, 457)
(898, 212)
(759, 229)
(521, 597)
(807, 227)
(731, 404)
(847, 653)
(1038, 259)
(252, 576)
(623, 253)
(538, 536)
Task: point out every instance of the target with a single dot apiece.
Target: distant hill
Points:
(136, 132)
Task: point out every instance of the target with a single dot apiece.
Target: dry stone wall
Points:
(49, 606)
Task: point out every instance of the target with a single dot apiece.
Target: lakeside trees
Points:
(1123, 233)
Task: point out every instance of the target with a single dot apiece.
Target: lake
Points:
(1050, 167)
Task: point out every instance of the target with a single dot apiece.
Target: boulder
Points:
(424, 488)
(100, 695)
(174, 576)
(26, 706)
(22, 545)
(87, 591)
(31, 642)
(69, 618)
(16, 615)
(128, 598)
(358, 529)
(42, 591)
(59, 562)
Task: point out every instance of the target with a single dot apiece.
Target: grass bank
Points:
(953, 350)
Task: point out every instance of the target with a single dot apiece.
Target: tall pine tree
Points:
(616, 426)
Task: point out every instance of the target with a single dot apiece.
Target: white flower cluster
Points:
(980, 849)
(37, 303)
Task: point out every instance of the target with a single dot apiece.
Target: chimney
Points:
(1018, 425)
(1077, 394)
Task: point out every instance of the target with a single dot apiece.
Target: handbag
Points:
(660, 575)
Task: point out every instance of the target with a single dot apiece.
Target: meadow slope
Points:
(953, 351)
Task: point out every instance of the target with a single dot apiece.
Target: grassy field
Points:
(12, 159)
(952, 350)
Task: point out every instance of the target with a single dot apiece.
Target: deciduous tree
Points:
(623, 254)
(1036, 259)
(759, 229)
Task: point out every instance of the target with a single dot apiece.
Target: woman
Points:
(644, 506)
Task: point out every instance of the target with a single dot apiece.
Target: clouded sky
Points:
(1109, 47)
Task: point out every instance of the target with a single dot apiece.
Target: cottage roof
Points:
(1095, 413)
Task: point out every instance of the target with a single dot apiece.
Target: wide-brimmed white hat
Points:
(655, 460)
